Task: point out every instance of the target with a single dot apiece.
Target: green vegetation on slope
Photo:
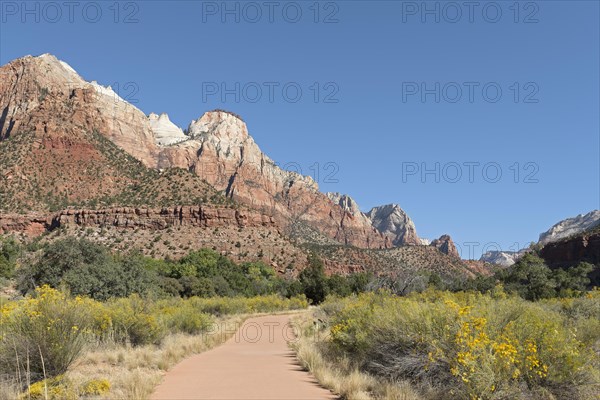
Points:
(89, 171)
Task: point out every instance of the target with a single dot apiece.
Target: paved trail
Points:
(255, 364)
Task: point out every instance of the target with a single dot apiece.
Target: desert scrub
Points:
(470, 345)
(336, 371)
(243, 305)
(44, 333)
(48, 332)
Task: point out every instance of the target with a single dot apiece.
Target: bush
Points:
(470, 345)
(49, 328)
(134, 321)
(181, 316)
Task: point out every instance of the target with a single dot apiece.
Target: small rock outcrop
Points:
(446, 245)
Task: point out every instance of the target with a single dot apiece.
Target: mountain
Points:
(502, 258)
(78, 158)
(567, 228)
(570, 226)
(46, 98)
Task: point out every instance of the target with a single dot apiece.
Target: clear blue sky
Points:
(371, 56)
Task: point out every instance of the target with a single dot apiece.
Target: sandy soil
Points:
(255, 364)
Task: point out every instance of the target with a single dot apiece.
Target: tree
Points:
(88, 269)
(313, 280)
(60, 257)
(9, 252)
(572, 280)
(530, 277)
(339, 285)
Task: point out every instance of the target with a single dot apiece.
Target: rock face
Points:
(446, 245)
(569, 252)
(584, 247)
(571, 226)
(395, 224)
(346, 202)
(47, 97)
(165, 132)
(143, 218)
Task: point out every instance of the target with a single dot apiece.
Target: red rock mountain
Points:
(66, 142)
(47, 98)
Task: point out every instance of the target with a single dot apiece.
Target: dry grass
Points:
(337, 374)
(134, 372)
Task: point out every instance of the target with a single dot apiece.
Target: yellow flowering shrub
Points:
(95, 387)
(483, 346)
(50, 328)
(57, 388)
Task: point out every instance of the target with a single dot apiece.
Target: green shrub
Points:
(181, 316)
(134, 321)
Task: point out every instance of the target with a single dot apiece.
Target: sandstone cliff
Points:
(223, 153)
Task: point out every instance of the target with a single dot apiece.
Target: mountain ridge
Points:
(77, 148)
